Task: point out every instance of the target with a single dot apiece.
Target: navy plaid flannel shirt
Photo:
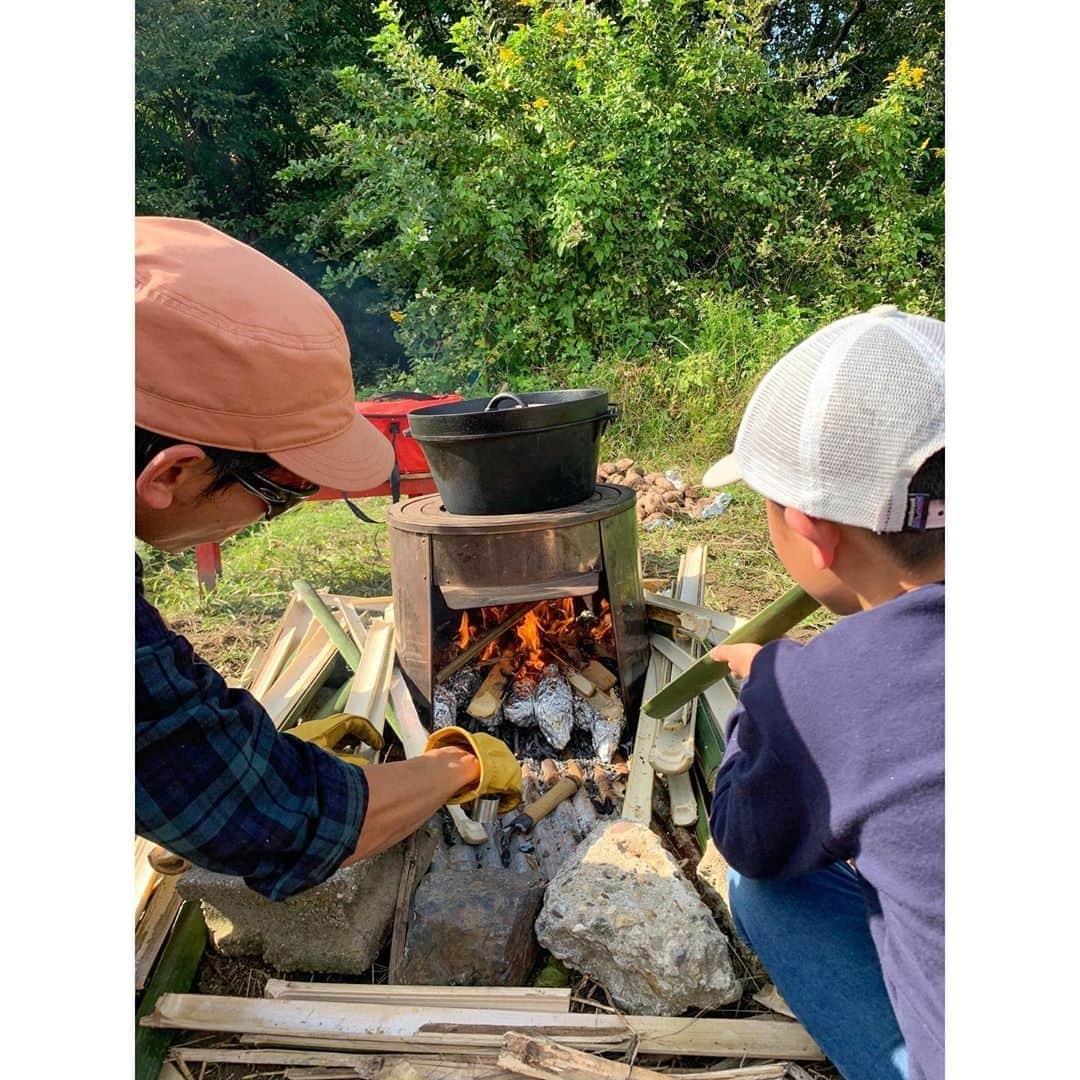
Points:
(217, 784)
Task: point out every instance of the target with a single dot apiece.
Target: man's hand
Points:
(500, 773)
(737, 657)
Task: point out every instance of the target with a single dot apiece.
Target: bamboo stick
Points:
(775, 621)
(348, 1026)
(517, 998)
(345, 644)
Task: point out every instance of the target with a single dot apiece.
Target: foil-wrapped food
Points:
(554, 707)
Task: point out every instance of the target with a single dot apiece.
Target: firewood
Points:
(579, 681)
(482, 642)
(371, 683)
(487, 700)
(599, 675)
(549, 772)
(518, 998)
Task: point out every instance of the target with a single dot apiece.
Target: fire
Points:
(554, 630)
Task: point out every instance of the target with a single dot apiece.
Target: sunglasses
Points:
(280, 489)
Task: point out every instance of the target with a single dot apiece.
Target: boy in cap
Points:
(829, 805)
(244, 407)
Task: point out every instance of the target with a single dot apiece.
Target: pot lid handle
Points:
(498, 397)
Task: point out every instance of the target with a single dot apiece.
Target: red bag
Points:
(389, 413)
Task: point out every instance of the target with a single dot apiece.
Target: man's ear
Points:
(174, 467)
(822, 536)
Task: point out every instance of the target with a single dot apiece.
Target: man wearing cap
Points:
(829, 805)
(243, 407)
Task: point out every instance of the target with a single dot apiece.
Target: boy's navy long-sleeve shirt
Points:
(836, 751)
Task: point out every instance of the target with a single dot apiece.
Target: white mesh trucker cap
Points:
(840, 424)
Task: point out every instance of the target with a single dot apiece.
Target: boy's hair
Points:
(148, 444)
(916, 549)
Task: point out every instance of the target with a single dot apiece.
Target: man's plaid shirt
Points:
(216, 783)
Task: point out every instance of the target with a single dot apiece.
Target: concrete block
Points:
(337, 927)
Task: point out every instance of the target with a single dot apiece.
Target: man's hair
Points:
(225, 463)
(916, 549)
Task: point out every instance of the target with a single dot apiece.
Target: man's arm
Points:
(404, 794)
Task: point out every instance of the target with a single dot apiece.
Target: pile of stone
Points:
(659, 496)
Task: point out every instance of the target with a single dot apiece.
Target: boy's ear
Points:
(176, 465)
(822, 536)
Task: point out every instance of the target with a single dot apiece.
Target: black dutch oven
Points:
(514, 453)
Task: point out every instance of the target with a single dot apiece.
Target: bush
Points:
(585, 192)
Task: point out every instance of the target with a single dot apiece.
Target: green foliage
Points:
(578, 190)
(226, 92)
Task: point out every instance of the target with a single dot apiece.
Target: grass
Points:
(326, 545)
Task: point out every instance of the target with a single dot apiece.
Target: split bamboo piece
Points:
(776, 620)
(275, 661)
(407, 726)
(543, 1059)
(599, 675)
(488, 698)
(720, 698)
(252, 666)
(301, 677)
(673, 750)
(339, 1026)
(153, 928)
(357, 627)
(637, 798)
(670, 610)
(368, 1066)
(516, 998)
(146, 877)
(371, 684)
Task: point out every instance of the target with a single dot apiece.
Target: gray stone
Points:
(473, 928)
(712, 873)
(339, 926)
(622, 912)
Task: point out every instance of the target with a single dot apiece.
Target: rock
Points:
(615, 478)
(339, 926)
(624, 464)
(621, 911)
(711, 874)
(473, 928)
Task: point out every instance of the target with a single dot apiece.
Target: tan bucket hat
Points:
(232, 350)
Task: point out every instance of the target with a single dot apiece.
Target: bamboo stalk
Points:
(345, 644)
(775, 621)
(481, 643)
(173, 974)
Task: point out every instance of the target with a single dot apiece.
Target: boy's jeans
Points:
(813, 938)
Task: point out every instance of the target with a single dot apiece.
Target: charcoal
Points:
(444, 707)
(554, 707)
(519, 707)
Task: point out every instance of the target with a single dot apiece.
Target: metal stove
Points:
(443, 564)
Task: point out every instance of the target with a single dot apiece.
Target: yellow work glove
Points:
(500, 773)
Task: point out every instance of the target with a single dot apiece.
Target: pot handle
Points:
(498, 397)
(609, 418)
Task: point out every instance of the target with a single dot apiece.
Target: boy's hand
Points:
(737, 657)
